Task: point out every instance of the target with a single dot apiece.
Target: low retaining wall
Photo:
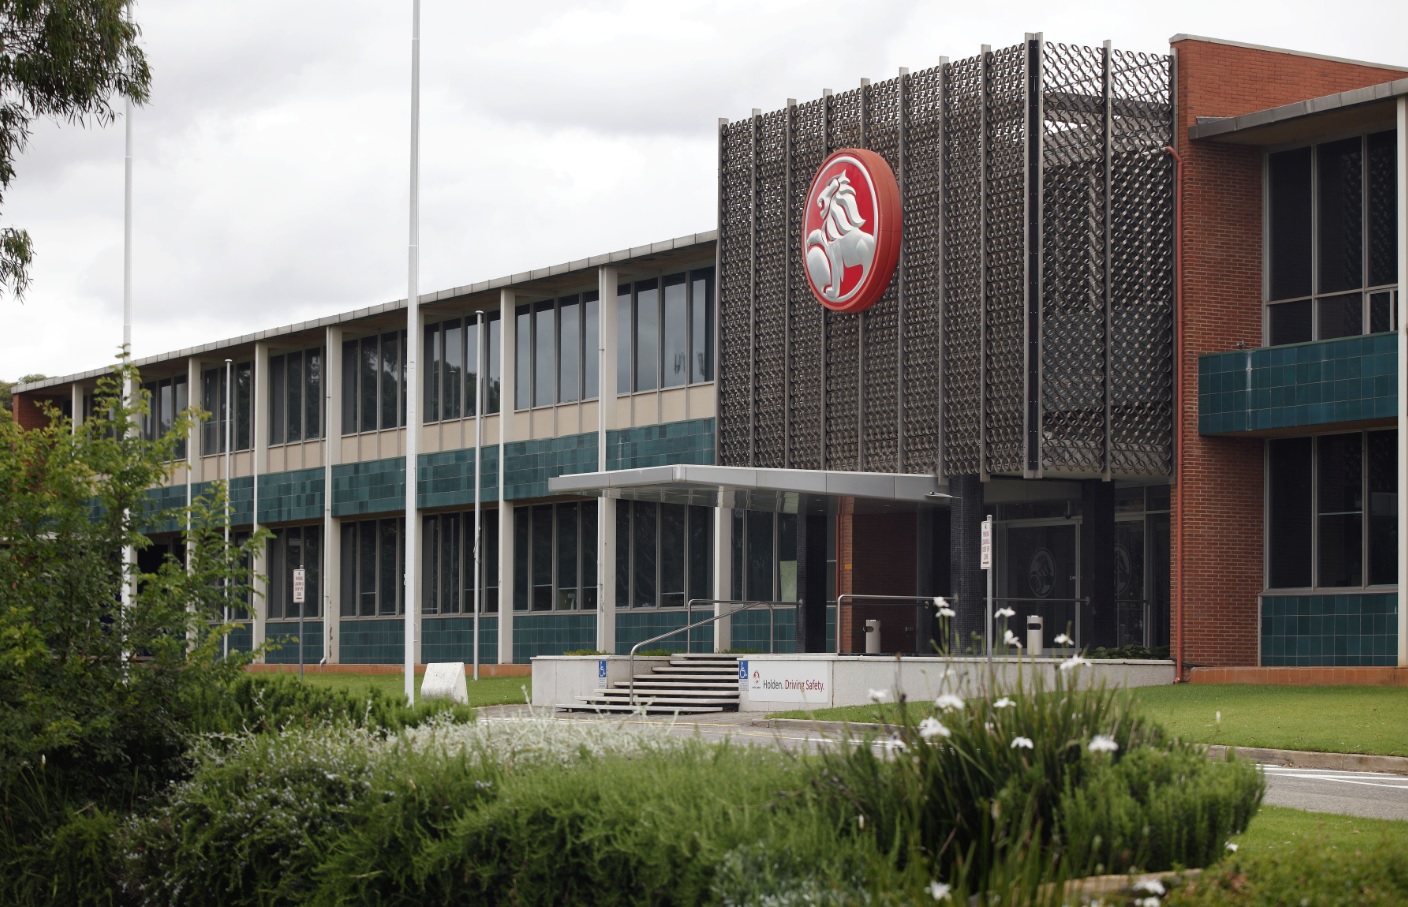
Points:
(494, 670)
(1304, 677)
(776, 683)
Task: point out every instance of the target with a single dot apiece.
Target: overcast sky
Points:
(271, 163)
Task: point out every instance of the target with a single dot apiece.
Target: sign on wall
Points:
(787, 681)
(851, 230)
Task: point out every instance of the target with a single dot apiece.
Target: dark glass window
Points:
(213, 401)
(555, 557)
(1341, 316)
(761, 565)
(1383, 506)
(1383, 224)
(672, 555)
(373, 581)
(165, 400)
(624, 353)
(523, 346)
(543, 346)
(454, 351)
(591, 346)
(1341, 510)
(370, 370)
(351, 358)
(1290, 322)
(293, 397)
(374, 383)
(645, 554)
(701, 330)
(447, 546)
(1289, 177)
(522, 549)
(433, 366)
(472, 342)
(1289, 509)
(494, 371)
(662, 554)
(391, 377)
(452, 377)
(278, 389)
(647, 335)
(623, 554)
(674, 335)
(568, 583)
(700, 547)
(1340, 197)
(569, 350)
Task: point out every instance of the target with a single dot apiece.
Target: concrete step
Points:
(651, 683)
(627, 707)
(682, 693)
(672, 668)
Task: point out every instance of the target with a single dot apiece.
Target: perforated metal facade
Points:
(1028, 328)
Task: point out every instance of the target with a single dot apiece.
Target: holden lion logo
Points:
(851, 229)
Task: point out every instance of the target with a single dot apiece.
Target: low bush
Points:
(1374, 873)
(1129, 651)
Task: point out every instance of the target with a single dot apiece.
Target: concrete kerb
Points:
(1347, 762)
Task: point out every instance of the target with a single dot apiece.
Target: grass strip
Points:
(485, 691)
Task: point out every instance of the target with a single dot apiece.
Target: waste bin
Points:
(872, 637)
(1034, 623)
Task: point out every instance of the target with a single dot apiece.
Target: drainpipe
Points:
(1178, 398)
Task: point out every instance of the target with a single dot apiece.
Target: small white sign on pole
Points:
(985, 546)
(299, 575)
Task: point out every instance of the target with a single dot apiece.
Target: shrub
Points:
(1305, 873)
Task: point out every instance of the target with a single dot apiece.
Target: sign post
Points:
(299, 587)
(985, 562)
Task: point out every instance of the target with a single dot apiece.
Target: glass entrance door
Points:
(1131, 600)
(1039, 575)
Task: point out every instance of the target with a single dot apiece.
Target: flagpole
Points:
(413, 341)
(129, 554)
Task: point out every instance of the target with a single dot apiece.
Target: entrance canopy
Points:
(744, 488)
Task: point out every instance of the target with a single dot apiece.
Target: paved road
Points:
(1369, 794)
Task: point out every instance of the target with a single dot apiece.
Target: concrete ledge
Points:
(1307, 677)
(1344, 762)
(494, 670)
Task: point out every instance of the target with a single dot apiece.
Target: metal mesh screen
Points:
(1028, 330)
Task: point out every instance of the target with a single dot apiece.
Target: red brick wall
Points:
(27, 412)
(1217, 532)
(876, 556)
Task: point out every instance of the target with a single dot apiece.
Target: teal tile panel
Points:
(379, 641)
(529, 464)
(1301, 385)
(285, 633)
(372, 486)
(637, 626)
(242, 638)
(163, 509)
(446, 479)
(750, 631)
(1351, 629)
(690, 442)
(293, 496)
(452, 639)
(552, 634)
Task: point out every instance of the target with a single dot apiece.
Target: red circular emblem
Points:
(851, 230)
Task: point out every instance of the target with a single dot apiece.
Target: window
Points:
(373, 582)
(289, 549)
(665, 331)
(213, 398)
(454, 352)
(447, 551)
(296, 397)
(764, 556)
(554, 557)
(374, 383)
(663, 554)
(1331, 239)
(1331, 505)
(557, 350)
(165, 399)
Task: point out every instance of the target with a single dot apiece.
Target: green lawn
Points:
(1278, 828)
(1321, 719)
(485, 691)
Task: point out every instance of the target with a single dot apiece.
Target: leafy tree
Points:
(6, 386)
(63, 60)
(97, 696)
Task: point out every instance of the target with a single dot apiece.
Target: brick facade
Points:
(1217, 521)
(27, 412)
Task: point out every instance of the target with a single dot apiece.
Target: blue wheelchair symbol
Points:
(601, 669)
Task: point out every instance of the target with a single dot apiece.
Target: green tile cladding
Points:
(690, 442)
(552, 634)
(452, 639)
(1300, 385)
(285, 633)
(1348, 629)
(637, 626)
(373, 486)
(529, 464)
(443, 479)
(287, 497)
(447, 478)
(372, 642)
(162, 509)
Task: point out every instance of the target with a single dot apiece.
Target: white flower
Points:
(1074, 661)
(1010, 638)
(1003, 703)
(1147, 902)
(938, 891)
(1150, 886)
(948, 702)
(930, 728)
(1231, 848)
(946, 612)
(894, 743)
(1103, 744)
(879, 695)
(1005, 612)
(1064, 640)
(1217, 716)
(1022, 743)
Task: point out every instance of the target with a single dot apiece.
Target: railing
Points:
(689, 609)
(916, 601)
(1075, 624)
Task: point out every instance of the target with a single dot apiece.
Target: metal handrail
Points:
(689, 609)
(890, 599)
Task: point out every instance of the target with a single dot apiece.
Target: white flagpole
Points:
(481, 348)
(129, 554)
(413, 341)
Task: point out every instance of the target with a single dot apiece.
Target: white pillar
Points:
(332, 529)
(259, 463)
(606, 421)
(506, 421)
(1402, 210)
(723, 568)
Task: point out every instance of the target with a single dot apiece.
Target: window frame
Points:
(1316, 297)
(212, 435)
(528, 375)
(354, 402)
(281, 415)
(485, 368)
(526, 559)
(1316, 514)
(697, 312)
(626, 556)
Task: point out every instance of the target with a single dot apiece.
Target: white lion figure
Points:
(841, 243)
